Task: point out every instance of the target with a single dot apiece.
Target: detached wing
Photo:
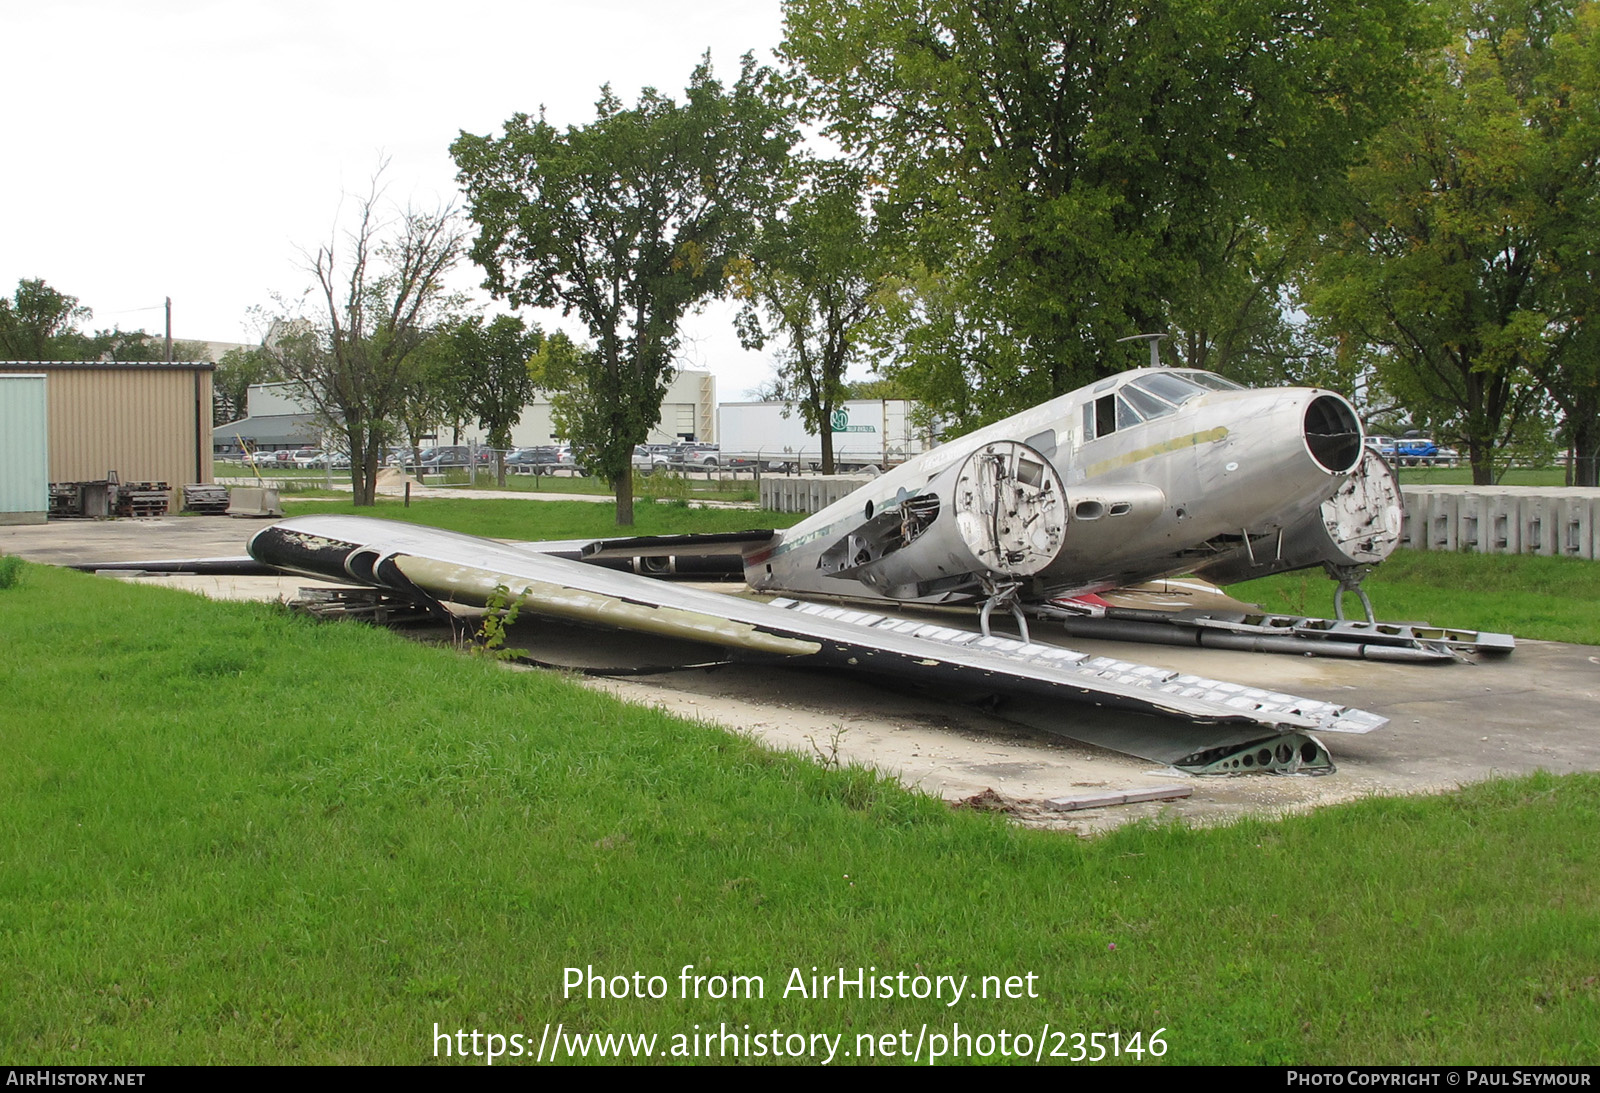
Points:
(448, 567)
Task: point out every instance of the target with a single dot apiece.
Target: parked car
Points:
(539, 459)
(450, 455)
(569, 459)
(696, 454)
(648, 458)
(1411, 451)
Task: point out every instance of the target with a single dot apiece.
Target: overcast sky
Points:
(190, 149)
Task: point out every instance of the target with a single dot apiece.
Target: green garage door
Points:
(24, 452)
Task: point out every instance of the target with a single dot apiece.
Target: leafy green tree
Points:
(811, 285)
(576, 378)
(237, 372)
(629, 221)
(491, 372)
(38, 323)
(135, 345)
(1566, 114)
(430, 397)
(1463, 267)
(1069, 172)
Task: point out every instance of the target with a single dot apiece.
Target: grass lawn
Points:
(662, 484)
(230, 834)
(1462, 476)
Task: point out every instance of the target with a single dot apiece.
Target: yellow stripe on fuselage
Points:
(1139, 455)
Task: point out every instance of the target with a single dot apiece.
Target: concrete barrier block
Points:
(805, 493)
(1472, 531)
(1442, 528)
(1541, 522)
(1502, 531)
(1575, 526)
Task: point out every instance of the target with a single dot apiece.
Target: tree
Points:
(490, 369)
(381, 291)
(812, 278)
(430, 396)
(237, 372)
(1464, 264)
(1068, 172)
(629, 221)
(37, 321)
(1566, 114)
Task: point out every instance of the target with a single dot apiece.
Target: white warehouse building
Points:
(278, 417)
(688, 412)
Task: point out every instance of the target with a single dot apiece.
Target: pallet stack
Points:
(142, 499)
(207, 500)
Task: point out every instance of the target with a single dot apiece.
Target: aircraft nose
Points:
(1332, 433)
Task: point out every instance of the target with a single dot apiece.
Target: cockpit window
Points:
(1150, 396)
(1213, 381)
(1126, 415)
(1170, 386)
(1148, 405)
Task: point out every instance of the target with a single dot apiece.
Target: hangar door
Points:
(24, 450)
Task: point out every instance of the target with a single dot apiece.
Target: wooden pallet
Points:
(142, 499)
(207, 500)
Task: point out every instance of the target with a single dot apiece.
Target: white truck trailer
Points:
(866, 432)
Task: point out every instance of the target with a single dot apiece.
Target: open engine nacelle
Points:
(1360, 525)
(996, 517)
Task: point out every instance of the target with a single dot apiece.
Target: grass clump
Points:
(10, 571)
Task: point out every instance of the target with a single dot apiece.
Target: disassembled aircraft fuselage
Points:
(1147, 474)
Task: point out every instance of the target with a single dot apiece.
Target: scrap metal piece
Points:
(372, 605)
(1262, 632)
(1161, 685)
(1288, 753)
(1111, 798)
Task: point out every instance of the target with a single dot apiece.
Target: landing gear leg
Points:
(1350, 578)
(1002, 596)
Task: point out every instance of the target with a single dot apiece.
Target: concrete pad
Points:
(1450, 724)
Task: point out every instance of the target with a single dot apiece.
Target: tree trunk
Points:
(356, 440)
(827, 438)
(1481, 456)
(624, 488)
(1586, 443)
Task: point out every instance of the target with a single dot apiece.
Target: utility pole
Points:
(169, 329)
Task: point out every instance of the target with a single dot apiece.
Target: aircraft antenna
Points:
(1155, 342)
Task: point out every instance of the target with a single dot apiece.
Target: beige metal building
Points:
(148, 422)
